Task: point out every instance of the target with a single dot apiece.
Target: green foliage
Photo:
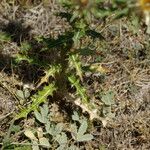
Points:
(50, 72)
(25, 47)
(75, 62)
(67, 65)
(23, 57)
(108, 98)
(43, 116)
(54, 135)
(79, 134)
(37, 99)
(81, 91)
(4, 37)
(23, 94)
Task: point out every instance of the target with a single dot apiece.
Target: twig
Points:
(4, 116)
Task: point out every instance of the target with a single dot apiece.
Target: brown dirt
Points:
(127, 55)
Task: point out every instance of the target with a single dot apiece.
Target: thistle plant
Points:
(64, 75)
(67, 65)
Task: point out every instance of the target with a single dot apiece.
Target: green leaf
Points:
(38, 116)
(23, 94)
(22, 57)
(43, 116)
(37, 99)
(84, 138)
(50, 128)
(44, 142)
(74, 16)
(61, 139)
(49, 73)
(81, 91)
(4, 37)
(44, 110)
(25, 46)
(120, 1)
(15, 128)
(121, 13)
(72, 147)
(20, 94)
(108, 98)
(82, 128)
(54, 129)
(26, 93)
(73, 131)
(58, 128)
(75, 116)
(75, 62)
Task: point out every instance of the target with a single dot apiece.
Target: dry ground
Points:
(125, 53)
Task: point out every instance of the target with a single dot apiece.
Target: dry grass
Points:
(127, 57)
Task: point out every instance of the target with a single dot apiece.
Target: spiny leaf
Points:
(50, 72)
(81, 91)
(37, 100)
(76, 63)
(21, 57)
(93, 113)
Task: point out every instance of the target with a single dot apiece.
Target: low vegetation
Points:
(74, 75)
